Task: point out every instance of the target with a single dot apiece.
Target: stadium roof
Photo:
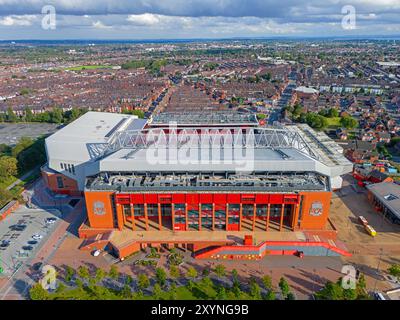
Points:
(203, 118)
(108, 142)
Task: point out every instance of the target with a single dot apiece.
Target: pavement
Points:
(372, 255)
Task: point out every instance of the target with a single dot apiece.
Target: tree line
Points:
(56, 115)
(14, 161)
(319, 120)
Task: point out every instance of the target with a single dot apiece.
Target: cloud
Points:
(100, 25)
(146, 19)
(15, 20)
(203, 18)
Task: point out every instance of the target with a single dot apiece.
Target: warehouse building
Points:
(385, 196)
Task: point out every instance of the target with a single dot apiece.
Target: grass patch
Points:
(333, 123)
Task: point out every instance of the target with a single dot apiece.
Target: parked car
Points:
(37, 266)
(96, 253)
(37, 236)
(18, 227)
(379, 296)
(32, 242)
(27, 248)
(5, 244)
(51, 220)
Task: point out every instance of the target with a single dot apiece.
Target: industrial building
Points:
(135, 198)
(385, 196)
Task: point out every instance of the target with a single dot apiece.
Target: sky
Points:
(182, 19)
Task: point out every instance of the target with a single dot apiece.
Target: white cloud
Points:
(100, 25)
(15, 20)
(146, 19)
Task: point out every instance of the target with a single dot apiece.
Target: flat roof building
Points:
(386, 198)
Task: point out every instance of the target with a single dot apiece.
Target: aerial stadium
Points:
(219, 185)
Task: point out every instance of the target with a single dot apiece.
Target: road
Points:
(283, 100)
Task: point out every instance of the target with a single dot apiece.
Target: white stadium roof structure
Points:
(106, 142)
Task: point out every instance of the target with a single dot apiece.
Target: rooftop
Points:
(204, 118)
(389, 194)
(70, 143)
(212, 181)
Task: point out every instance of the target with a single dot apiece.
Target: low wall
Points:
(9, 208)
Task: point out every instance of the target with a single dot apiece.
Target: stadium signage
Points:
(98, 208)
(316, 209)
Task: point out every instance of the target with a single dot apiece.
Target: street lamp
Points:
(377, 268)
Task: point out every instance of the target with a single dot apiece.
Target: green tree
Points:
(38, 293)
(56, 115)
(8, 166)
(161, 276)
(220, 270)
(255, 291)
(316, 121)
(191, 273)
(126, 292)
(29, 117)
(267, 282)
(69, 273)
(333, 113)
(290, 296)
(205, 272)
(394, 270)
(331, 291)
(284, 286)
(143, 281)
(270, 295)
(128, 280)
(174, 272)
(221, 293)
(100, 274)
(83, 272)
(60, 288)
(348, 122)
(114, 272)
(157, 291)
(235, 275)
(10, 115)
(190, 285)
(236, 289)
(23, 144)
